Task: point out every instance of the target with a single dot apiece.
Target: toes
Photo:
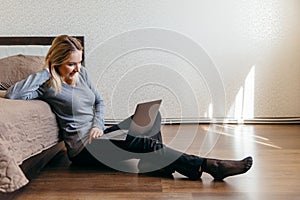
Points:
(249, 162)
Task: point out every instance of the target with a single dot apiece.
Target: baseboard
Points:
(284, 120)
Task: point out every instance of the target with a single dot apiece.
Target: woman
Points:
(79, 109)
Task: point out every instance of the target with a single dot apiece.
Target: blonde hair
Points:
(59, 53)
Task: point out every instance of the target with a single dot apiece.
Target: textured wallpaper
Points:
(205, 59)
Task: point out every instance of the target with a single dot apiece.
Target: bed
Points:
(29, 135)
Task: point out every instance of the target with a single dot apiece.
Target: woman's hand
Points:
(95, 133)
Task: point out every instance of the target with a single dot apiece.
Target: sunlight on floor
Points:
(244, 136)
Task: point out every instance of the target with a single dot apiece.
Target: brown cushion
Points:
(18, 67)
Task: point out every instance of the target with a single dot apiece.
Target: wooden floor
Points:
(274, 175)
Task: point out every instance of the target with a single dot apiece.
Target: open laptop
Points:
(142, 121)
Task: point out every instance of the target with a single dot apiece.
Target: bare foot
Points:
(221, 169)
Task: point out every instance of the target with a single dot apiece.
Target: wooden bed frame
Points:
(32, 40)
(32, 166)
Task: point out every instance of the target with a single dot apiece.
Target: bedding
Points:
(27, 128)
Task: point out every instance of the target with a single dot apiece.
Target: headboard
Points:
(27, 41)
(31, 40)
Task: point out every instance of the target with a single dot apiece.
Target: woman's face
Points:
(69, 70)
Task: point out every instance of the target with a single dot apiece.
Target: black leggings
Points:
(149, 148)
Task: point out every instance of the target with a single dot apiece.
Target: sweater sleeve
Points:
(28, 88)
(99, 107)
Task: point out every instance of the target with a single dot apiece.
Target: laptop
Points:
(142, 121)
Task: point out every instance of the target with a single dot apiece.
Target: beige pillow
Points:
(18, 67)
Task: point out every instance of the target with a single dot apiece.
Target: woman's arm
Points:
(99, 106)
(29, 87)
(99, 112)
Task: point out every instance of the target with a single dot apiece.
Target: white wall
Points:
(236, 59)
